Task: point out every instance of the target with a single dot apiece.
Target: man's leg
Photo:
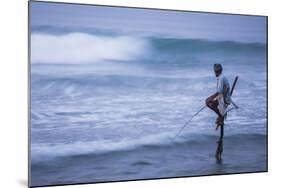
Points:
(213, 104)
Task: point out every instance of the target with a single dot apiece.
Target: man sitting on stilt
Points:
(218, 101)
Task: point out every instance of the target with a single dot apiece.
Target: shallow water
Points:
(242, 153)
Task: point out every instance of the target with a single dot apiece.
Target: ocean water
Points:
(104, 107)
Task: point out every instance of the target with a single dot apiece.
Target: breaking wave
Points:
(45, 152)
(84, 48)
(77, 48)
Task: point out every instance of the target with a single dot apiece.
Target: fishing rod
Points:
(203, 107)
(178, 133)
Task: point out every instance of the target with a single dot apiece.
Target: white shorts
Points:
(221, 106)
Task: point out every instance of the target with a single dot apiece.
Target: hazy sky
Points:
(151, 22)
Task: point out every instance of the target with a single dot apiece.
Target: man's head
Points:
(217, 69)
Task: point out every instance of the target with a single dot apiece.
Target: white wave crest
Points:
(41, 152)
(84, 48)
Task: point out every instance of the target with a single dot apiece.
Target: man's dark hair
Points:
(218, 68)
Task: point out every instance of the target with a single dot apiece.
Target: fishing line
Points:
(178, 133)
(173, 139)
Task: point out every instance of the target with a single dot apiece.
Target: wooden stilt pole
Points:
(220, 141)
(220, 144)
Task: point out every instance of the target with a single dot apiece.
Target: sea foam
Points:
(75, 48)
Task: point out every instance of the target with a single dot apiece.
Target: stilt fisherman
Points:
(218, 101)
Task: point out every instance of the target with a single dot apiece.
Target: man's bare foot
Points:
(219, 122)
